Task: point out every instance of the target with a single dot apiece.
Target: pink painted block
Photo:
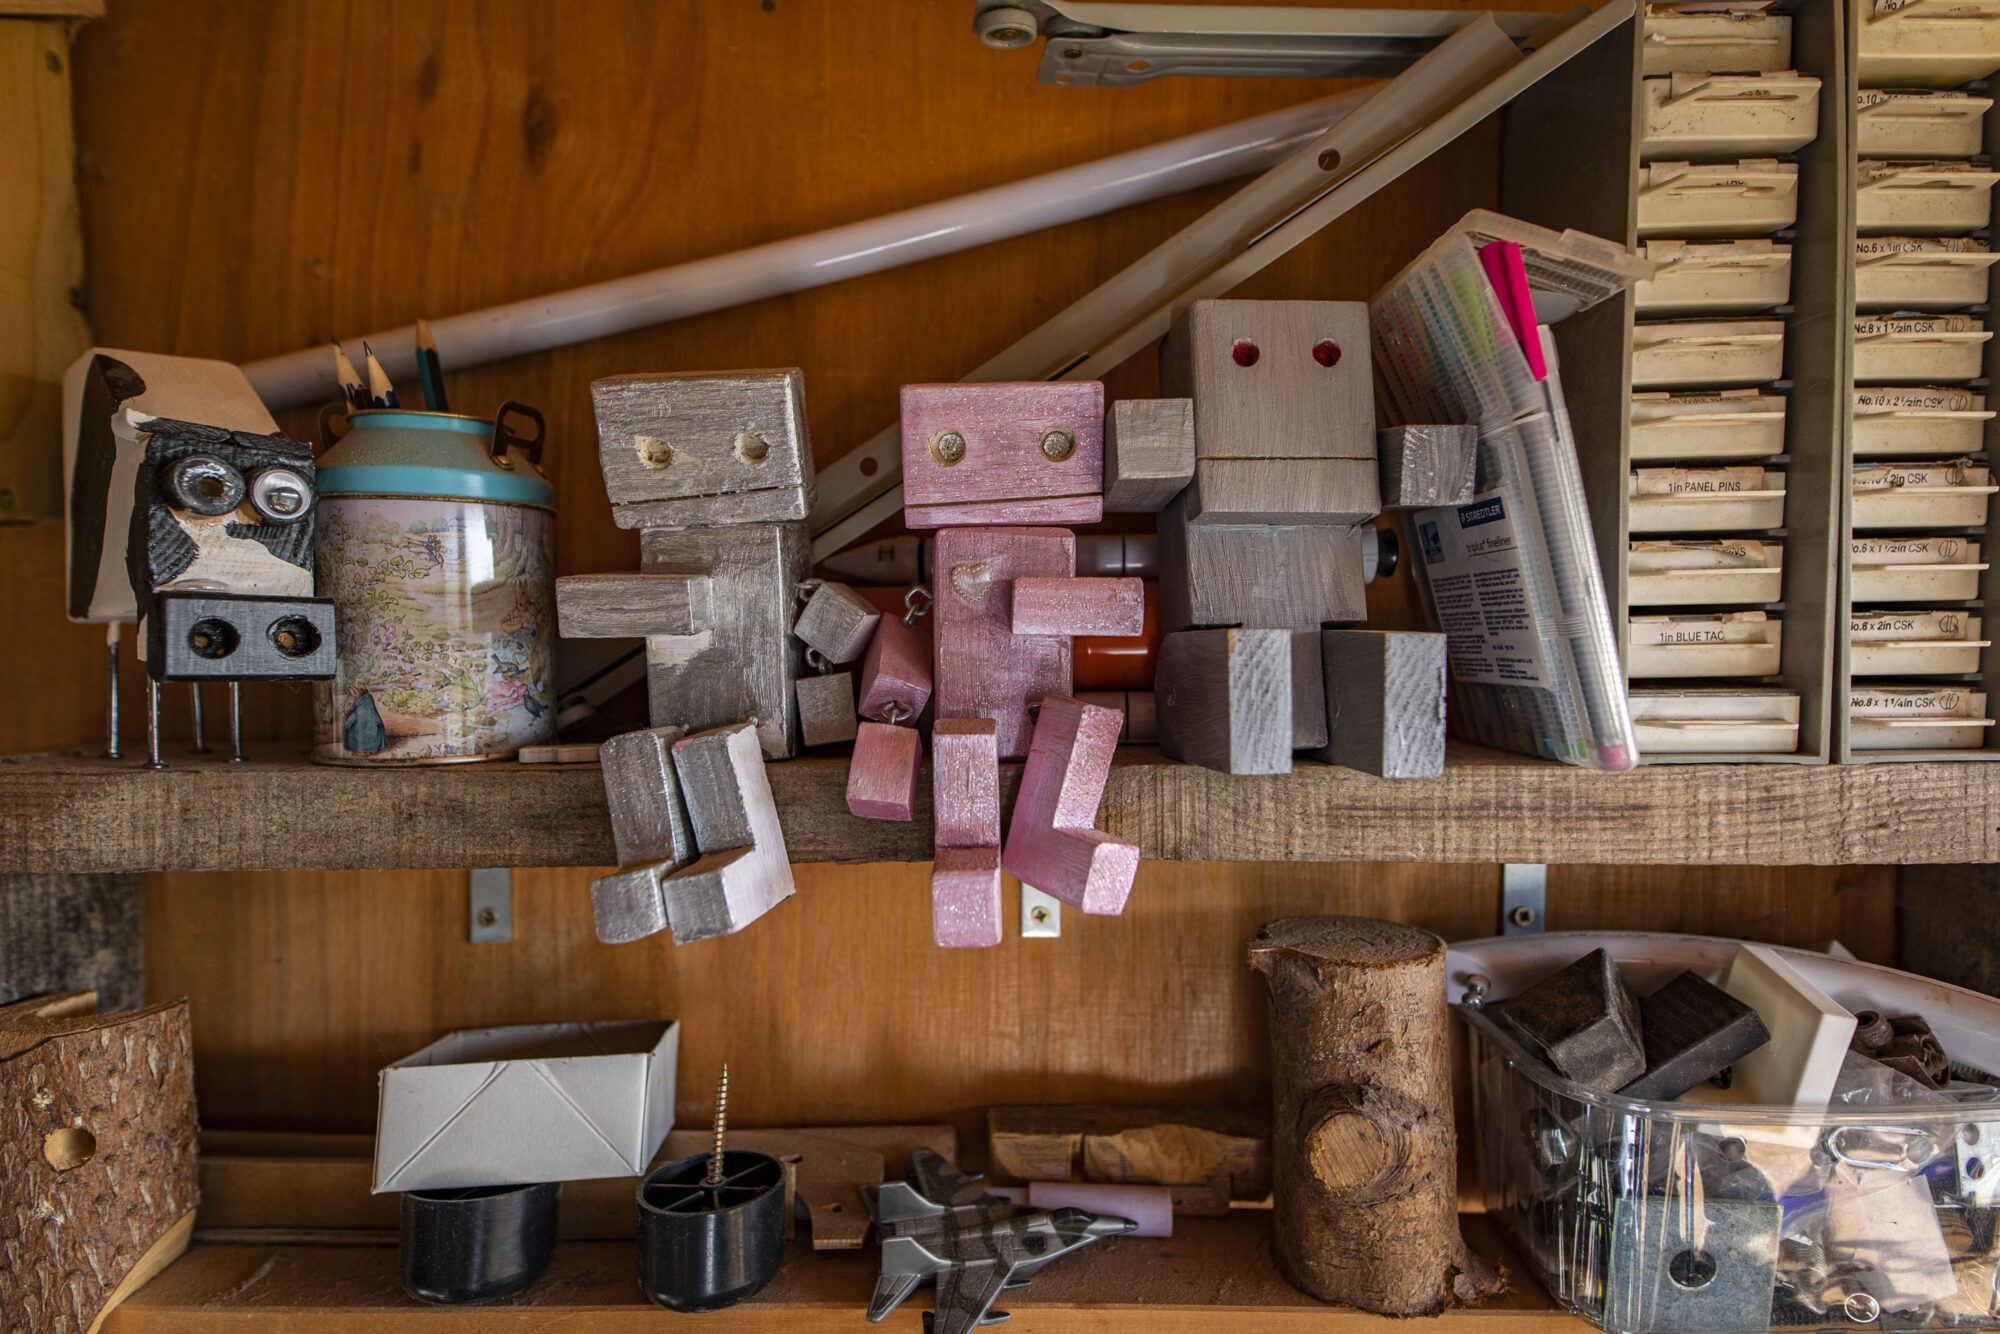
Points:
(976, 453)
(984, 669)
(965, 898)
(1053, 843)
(897, 670)
(1079, 606)
(1151, 1207)
(965, 782)
(882, 777)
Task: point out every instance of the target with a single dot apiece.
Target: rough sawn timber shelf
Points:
(75, 812)
(1212, 1274)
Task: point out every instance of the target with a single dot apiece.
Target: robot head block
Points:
(976, 455)
(1274, 379)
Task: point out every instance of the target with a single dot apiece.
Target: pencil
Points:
(350, 379)
(381, 394)
(430, 369)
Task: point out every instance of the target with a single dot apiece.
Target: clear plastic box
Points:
(1709, 1216)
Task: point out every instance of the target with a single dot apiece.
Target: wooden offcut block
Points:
(703, 448)
(1052, 841)
(1810, 1032)
(1692, 1031)
(1206, 1156)
(1273, 576)
(882, 777)
(896, 671)
(1274, 379)
(1225, 699)
(649, 820)
(1079, 606)
(984, 669)
(1308, 691)
(746, 664)
(965, 800)
(1583, 1020)
(1324, 491)
(837, 621)
(826, 709)
(743, 871)
(1423, 466)
(632, 606)
(1148, 453)
(1385, 701)
(1009, 453)
(965, 782)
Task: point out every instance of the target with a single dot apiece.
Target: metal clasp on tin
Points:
(505, 437)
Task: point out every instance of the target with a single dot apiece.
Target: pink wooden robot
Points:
(995, 467)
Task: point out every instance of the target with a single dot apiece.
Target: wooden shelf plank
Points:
(75, 811)
(1212, 1273)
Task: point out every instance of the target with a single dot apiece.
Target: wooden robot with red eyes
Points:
(1262, 467)
(191, 515)
(999, 470)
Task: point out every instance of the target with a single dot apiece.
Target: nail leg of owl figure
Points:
(996, 469)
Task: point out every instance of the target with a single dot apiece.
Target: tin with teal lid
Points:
(436, 542)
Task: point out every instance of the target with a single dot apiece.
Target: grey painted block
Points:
(704, 448)
(837, 621)
(1280, 576)
(632, 606)
(1385, 701)
(826, 709)
(1274, 379)
(1324, 491)
(1422, 466)
(1148, 453)
(1225, 699)
(649, 820)
(746, 664)
(1308, 691)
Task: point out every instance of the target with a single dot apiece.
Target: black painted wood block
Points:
(1584, 1021)
(1693, 1031)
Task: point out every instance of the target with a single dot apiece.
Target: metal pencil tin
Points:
(436, 541)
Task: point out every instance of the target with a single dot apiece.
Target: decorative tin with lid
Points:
(436, 542)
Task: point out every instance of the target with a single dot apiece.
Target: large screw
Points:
(721, 1121)
(1058, 444)
(947, 447)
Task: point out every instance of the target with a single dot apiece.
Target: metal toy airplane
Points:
(977, 1244)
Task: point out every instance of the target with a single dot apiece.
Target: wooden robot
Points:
(715, 470)
(1262, 466)
(997, 469)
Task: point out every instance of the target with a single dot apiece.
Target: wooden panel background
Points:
(259, 177)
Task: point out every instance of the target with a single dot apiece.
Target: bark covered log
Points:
(97, 1156)
(1364, 1155)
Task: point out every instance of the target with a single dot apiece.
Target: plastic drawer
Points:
(1711, 720)
(1920, 495)
(1927, 421)
(1678, 42)
(1902, 122)
(1920, 273)
(1739, 643)
(1731, 424)
(1668, 354)
(1704, 500)
(1918, 349)
(1714, 276)
(1916, 717)
(1702, 115)
(1922, 198)
(1747, 198)
(1703, 573)
(1928, 44)
(1913, 569)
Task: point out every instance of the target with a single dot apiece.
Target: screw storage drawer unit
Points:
(1713, 400)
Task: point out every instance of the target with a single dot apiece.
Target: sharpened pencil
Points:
(350, 379)
(430, 369)
(381, 394)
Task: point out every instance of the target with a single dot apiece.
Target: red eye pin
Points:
(1326, 352)
(1245, 352)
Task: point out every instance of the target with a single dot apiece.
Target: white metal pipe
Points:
(819, 258)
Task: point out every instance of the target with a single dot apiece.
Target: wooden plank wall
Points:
(259, 177)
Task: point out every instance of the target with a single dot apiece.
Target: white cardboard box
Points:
(534, 1102)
